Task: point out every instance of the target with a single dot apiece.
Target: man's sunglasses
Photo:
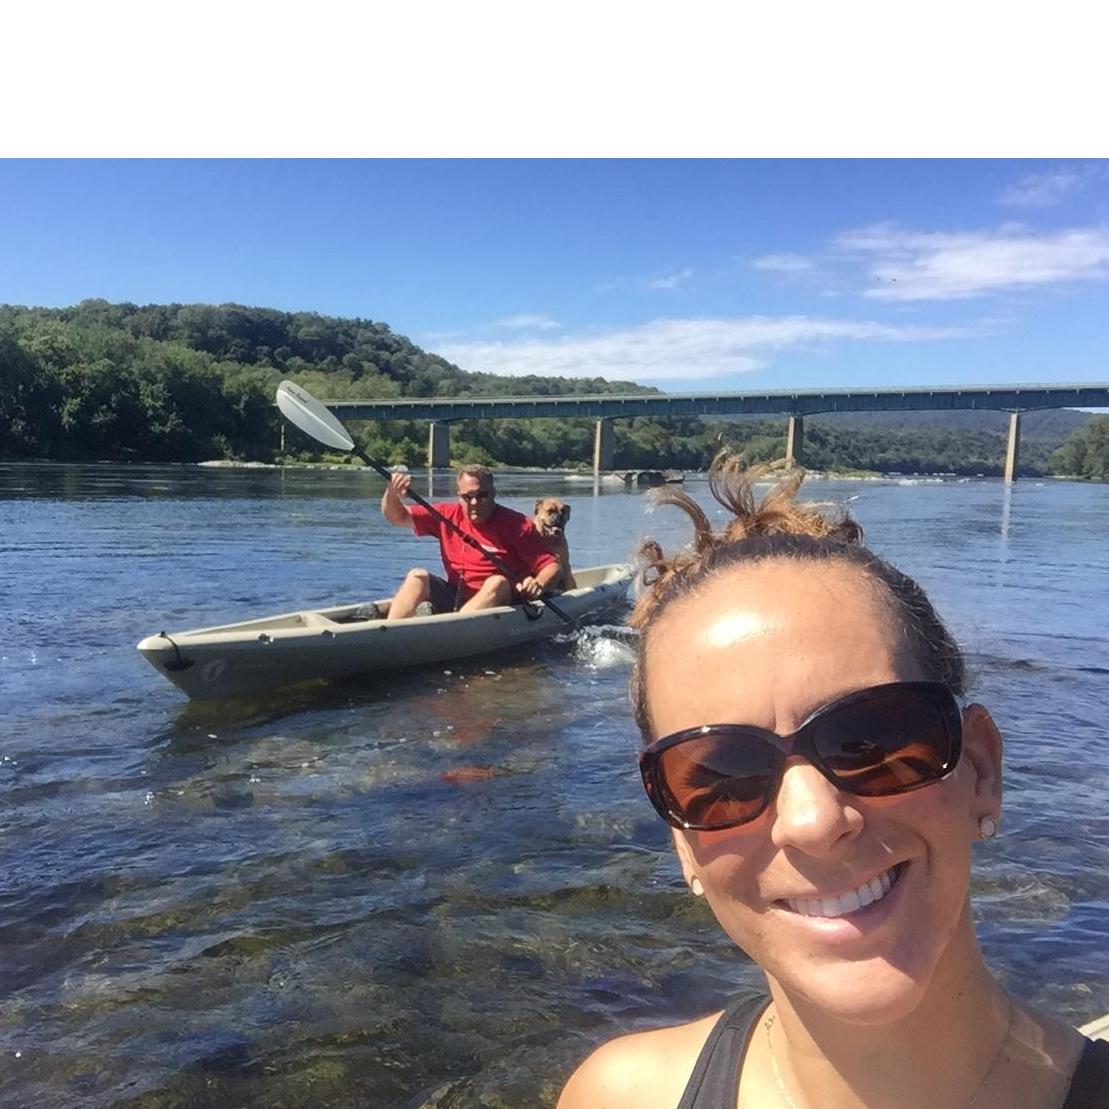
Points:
(480, 495)
(875, 742)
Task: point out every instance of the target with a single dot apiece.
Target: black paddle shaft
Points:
(468, 539)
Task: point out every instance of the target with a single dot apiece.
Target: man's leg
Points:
(494, 591)
(415, 588)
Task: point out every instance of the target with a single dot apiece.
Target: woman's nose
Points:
(810, 813)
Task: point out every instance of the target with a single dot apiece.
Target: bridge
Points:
(795, 405)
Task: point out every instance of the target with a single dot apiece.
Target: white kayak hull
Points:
(255, 655)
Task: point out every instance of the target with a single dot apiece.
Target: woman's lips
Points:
(867, 893)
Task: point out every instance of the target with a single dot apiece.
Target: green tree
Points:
(1085, 453)
(28, 400)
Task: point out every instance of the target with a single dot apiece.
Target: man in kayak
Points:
(473, 581)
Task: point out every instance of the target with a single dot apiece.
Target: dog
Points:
(550, 519)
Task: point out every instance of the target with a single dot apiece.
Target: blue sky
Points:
(724, 274)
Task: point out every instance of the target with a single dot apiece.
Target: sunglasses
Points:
(875, 742)
(480, 495)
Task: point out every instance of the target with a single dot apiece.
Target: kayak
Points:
(255, 655)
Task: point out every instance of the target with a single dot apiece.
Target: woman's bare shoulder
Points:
(644, 1070)
(1045, 1038)
(1039, 1059)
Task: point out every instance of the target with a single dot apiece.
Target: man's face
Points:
(477, 497)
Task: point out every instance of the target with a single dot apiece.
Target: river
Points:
(440, 889)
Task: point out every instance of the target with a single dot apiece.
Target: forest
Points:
(193, 382)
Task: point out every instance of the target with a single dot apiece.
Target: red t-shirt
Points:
(509, 535)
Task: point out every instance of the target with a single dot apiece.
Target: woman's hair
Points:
(778, 527)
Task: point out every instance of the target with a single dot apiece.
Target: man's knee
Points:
(498, 587)
(418, 576)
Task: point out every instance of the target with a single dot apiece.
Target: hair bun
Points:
(732, 483)
(777, 526)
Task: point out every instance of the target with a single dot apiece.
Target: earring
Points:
(987, 827)
(696, 887)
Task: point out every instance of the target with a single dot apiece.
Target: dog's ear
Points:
(566, 512)
(538, 503)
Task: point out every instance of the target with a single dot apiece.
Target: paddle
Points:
(315, 419)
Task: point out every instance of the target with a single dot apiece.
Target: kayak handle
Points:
(180, 662)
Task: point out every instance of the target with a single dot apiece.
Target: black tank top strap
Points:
(1089, 1088)
(714, 1083)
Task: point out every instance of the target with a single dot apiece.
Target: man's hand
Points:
(392, 506)
(529, 589)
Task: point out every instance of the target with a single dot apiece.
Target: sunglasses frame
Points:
(800, 742)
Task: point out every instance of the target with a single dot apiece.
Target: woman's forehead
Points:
(806, 603)
(770, 644)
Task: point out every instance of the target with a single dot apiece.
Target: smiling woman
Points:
(806, 739)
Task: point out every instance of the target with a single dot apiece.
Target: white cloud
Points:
(679, 349)
(663, 280)
(782, 263)
(1041, 190)
(527, 321)
(674, 279)
(908, 265)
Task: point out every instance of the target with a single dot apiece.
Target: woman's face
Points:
(767, 645)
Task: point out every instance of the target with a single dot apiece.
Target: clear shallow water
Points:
(439, 890)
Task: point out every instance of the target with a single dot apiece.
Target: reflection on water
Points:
(439, 888)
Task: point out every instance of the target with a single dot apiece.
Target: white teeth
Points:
(866, 894)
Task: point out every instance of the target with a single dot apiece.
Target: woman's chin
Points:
(859, 994)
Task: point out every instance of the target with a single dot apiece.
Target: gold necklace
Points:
(769, 1023)
(996, 1056)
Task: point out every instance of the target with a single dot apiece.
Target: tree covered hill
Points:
(1048, 422)
(175, 382)
(184, 382)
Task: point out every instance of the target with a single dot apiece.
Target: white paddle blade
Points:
(313, 418)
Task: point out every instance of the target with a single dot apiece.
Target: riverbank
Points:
(616, 477)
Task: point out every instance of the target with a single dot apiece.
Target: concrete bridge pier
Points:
(604, 447)
(795, 440)
(1012, 451)
(438, 445)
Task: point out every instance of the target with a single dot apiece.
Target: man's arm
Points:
(545, 569)
(533, 586)
(392, 507)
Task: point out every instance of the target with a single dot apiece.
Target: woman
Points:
(798, 701)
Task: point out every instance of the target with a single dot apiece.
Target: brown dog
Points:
(550, 519)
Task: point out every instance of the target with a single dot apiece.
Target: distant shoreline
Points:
(587, 475)
(580, 475)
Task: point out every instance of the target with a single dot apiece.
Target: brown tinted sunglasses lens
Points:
(893, 742)
(721, 778)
